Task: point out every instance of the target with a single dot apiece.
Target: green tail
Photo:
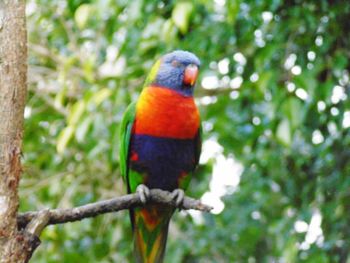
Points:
(150, 230)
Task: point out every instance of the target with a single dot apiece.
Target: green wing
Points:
(124, 140)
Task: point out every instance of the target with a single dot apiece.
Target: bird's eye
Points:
(175, 63)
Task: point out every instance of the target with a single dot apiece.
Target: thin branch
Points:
(38, 223)
(61, 216)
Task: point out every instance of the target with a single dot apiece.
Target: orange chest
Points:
(162, 112)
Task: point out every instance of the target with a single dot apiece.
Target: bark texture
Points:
(13, 78)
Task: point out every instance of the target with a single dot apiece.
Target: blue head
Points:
(177, 70)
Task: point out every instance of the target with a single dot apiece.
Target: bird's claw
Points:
(143, 192)
(178, 195)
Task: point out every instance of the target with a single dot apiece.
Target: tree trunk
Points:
(14, 245)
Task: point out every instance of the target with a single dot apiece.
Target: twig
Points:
(61, 216)
(38, 223)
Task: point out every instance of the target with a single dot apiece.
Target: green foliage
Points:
(273, 92)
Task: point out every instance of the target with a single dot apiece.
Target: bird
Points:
(160, 145)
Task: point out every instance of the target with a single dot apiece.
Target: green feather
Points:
(124, 139)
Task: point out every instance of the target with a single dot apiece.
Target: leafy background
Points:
(273, 94)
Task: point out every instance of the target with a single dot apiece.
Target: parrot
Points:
(160, 145)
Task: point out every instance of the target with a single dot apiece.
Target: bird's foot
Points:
(143, 192)
(178, 195)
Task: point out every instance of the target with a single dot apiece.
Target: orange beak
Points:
(190, 75)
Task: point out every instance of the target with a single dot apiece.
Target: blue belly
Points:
(162, 160)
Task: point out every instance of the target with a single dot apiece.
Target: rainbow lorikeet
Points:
(160, 140)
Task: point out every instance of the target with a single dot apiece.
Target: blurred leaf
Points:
(340, 60)
(101, 95)
(283, 132)
(307, 82)
(82, 129)
(76, 112)
(181, 15)
(232, 11)
(63, 138)
(168, 31)
(82, 14)
(264, 80)
(293, 109)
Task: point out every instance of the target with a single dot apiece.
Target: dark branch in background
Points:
(60, 216)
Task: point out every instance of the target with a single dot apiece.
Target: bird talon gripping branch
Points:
(143, 192)
(178, 195)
